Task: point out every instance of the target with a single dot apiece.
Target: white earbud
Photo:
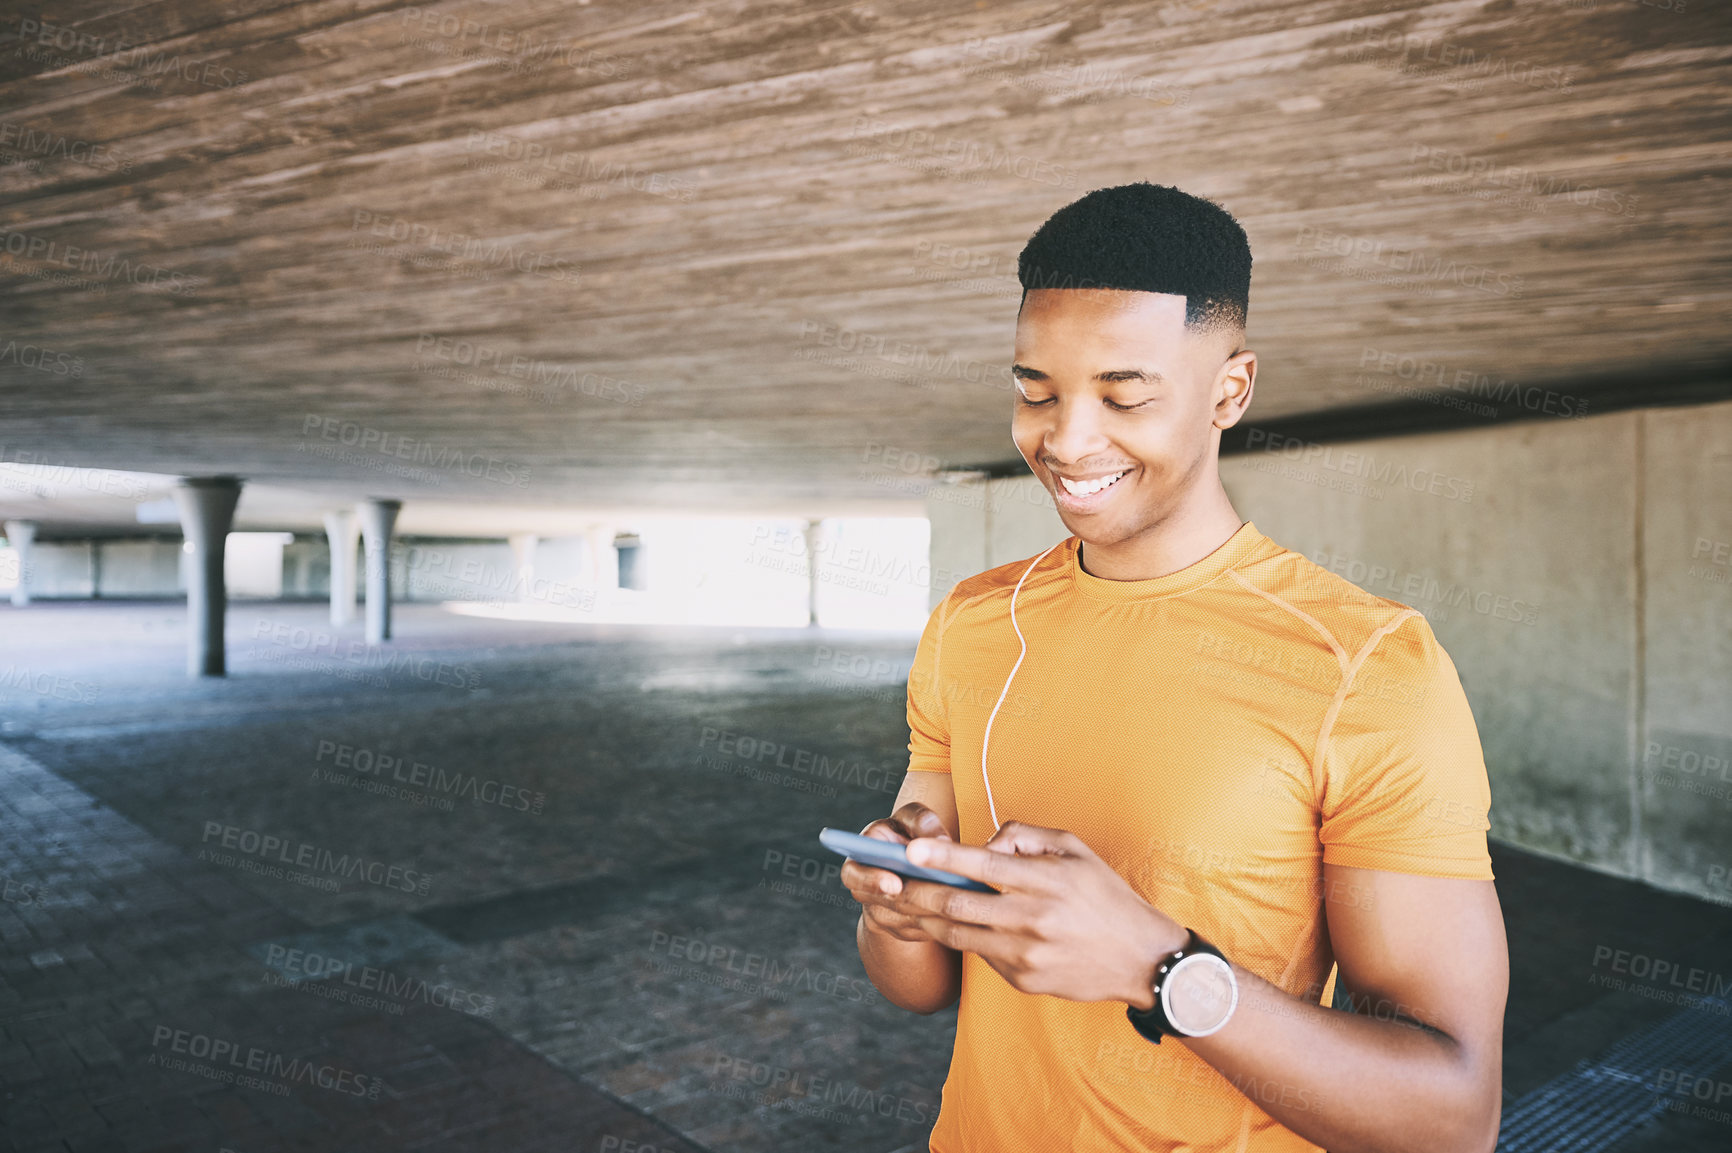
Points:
(987, 737)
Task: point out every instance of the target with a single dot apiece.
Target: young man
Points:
(1206, 777)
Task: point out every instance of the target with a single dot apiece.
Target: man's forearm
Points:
(921, 976)
(1353, 1084)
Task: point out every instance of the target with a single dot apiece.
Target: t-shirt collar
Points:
(1238, 548)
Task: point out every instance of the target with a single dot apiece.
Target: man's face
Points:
(1112, 383)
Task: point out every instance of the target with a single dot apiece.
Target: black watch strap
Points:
(1153, 1023)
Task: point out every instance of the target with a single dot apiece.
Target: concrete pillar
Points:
(344, 534)
(207, 510)
(628, 557)
(21, 535)
(523, 562)
(378, 519)
(813, 527)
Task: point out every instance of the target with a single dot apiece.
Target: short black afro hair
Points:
(1146, 238)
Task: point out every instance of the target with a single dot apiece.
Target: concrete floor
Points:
(589, 940)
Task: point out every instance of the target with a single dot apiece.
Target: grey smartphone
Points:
(889, 855)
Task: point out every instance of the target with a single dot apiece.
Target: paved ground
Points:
(536, 886)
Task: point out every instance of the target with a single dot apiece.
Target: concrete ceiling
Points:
(719, 255)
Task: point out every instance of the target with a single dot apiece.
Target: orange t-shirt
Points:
(1215, 735)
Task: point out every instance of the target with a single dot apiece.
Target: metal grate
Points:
(1593, 1105)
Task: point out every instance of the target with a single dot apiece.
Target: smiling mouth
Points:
(1083, 489)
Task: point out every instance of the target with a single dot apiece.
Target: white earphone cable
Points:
(987, 737)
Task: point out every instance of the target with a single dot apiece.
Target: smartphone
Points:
(889, 855)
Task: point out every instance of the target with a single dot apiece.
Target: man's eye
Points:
(1033, 403)
(1127, 407)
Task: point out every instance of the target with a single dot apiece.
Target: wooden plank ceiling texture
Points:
(657, 253)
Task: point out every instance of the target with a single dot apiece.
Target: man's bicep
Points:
(928, 718)
(935, 791)
(1419, 948)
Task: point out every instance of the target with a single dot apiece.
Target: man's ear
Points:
(1234, 384)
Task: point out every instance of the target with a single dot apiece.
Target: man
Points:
(1208, 780)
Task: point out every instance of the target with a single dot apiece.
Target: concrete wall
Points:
(1685, 650)
(438, 570)
(421, 569)
(307, 566)
(984, 524)
(1580, 575)
(140, 568)
(77, 569)
(433, 569)
(62, 569)
(253, 565)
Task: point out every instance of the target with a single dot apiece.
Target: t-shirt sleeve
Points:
(1405, 786)
(928, 718)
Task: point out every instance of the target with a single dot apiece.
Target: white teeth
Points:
(1090, 487)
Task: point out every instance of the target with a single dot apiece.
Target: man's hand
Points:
(1063, 922)
(908, 967)
(877, 890)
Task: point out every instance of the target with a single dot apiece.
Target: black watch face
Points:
(1199, 994)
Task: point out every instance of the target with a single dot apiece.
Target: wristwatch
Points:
(1195, 993)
